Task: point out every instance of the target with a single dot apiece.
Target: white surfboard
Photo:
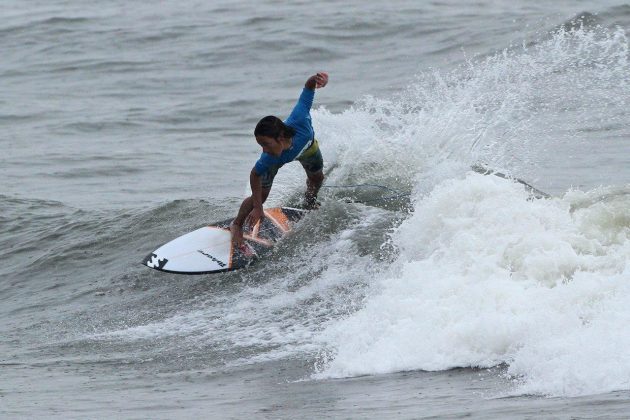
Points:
(210, 250)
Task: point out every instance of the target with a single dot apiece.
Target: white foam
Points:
(486, 277)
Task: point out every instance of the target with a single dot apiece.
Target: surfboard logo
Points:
(216, 260)
(154, 261)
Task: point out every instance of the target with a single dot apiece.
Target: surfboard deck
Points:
(209, 249)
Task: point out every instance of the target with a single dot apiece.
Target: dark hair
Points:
(271, 126)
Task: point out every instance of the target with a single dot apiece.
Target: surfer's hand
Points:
(237, 235)
(317, 81)
(321, 79)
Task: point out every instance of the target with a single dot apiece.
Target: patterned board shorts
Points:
(311, 161)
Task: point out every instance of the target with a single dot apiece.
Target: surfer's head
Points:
(273, 135)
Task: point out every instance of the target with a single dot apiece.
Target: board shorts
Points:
(311, 160)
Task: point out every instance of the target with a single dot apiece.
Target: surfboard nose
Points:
(153, 261)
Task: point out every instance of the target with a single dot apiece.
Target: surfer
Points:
(283, 142)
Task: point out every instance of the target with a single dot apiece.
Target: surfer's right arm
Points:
(257, 198)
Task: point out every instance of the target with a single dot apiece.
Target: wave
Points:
(484, 276)
(469, 271)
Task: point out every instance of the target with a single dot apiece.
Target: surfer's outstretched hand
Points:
(317, 81)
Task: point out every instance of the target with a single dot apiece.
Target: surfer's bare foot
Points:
(237, 235)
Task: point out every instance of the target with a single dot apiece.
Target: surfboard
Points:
(209, 249)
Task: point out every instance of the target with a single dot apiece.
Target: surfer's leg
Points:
(313, 165)
(313, 184)
(266, 180)
(236, 227)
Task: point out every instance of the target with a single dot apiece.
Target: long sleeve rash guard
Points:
(300, 120)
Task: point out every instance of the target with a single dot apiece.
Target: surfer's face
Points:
(272, 146)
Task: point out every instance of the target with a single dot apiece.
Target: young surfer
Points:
(284, 142)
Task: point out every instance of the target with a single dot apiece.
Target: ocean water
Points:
(428, 291)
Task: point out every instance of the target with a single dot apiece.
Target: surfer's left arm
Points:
(303, 107)
(317, 81)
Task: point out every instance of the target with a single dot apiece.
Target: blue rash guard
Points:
(300, 120)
